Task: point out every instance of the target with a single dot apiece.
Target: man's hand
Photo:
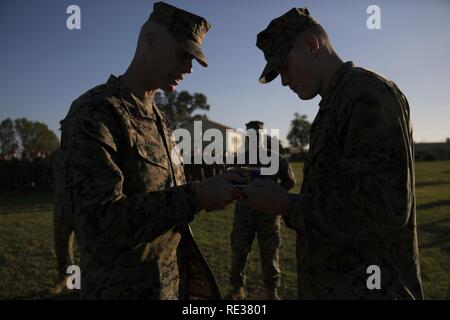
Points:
(267, 196)
(217, 192)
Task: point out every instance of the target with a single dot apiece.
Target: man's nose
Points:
(188, 66)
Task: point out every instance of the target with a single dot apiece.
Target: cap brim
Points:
(269, 73)
(196, 51)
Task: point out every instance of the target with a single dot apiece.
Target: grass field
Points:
(28, 265)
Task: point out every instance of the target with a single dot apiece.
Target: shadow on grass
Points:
(432, 205)
(443, 242)
(430, 227)
(432, 183)
(439, 230)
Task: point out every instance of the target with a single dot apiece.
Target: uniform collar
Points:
(338, 75)
(145, 106)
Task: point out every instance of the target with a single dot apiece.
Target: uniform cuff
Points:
(192, 198)
(297, 208)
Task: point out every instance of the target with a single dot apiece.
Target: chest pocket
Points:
(148, 168)
(149, 143)
(322, 131)
(153, 153)
(147, 165)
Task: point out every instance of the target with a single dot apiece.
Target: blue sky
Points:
(45, 66)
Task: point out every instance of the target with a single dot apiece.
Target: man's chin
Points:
(305, 97)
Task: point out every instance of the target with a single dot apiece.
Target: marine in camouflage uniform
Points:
(249, 223)
(127, 190)
(357, 205)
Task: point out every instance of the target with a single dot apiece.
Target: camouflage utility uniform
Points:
(129, 199)
(63, 224)
(249, 223)
(357, 205)
(127, 191)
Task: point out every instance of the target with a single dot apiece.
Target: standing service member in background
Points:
(249, 223)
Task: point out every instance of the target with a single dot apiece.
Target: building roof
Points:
(214, 123)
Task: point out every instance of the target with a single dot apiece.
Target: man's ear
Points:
(312, 44)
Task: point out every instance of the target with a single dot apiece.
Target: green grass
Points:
(28, 265)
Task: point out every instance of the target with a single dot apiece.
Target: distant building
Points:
(232, 138)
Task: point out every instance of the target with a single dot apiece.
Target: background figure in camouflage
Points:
(249, 223)
(63, 224)
(64, 237)
(356, 208)
(124, 181)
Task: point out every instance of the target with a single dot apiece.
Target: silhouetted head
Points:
(297, 48)
(168, 42)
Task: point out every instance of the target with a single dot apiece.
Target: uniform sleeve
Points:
(104, 213)
(369, 194)
(286, 176)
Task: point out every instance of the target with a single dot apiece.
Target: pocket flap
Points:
(153, 154)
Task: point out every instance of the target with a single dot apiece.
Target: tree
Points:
(8, 139)
(180, 106)
(298, 135)
(36, 138)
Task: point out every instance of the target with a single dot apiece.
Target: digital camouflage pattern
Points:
(188, 28)
(63, 224)
(249, 223)
(129, 199)
(278, 38)
(357, 204)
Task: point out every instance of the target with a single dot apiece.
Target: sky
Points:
(45, 66)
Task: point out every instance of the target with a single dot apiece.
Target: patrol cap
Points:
(188, 28)
(278, 38)
(254, 125)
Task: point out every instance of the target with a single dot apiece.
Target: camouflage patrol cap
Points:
(254, 125)
(278, 38)
(188, 28)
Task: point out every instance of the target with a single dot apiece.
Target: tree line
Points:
(25, 139)
(25, 145)
(24, 149)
